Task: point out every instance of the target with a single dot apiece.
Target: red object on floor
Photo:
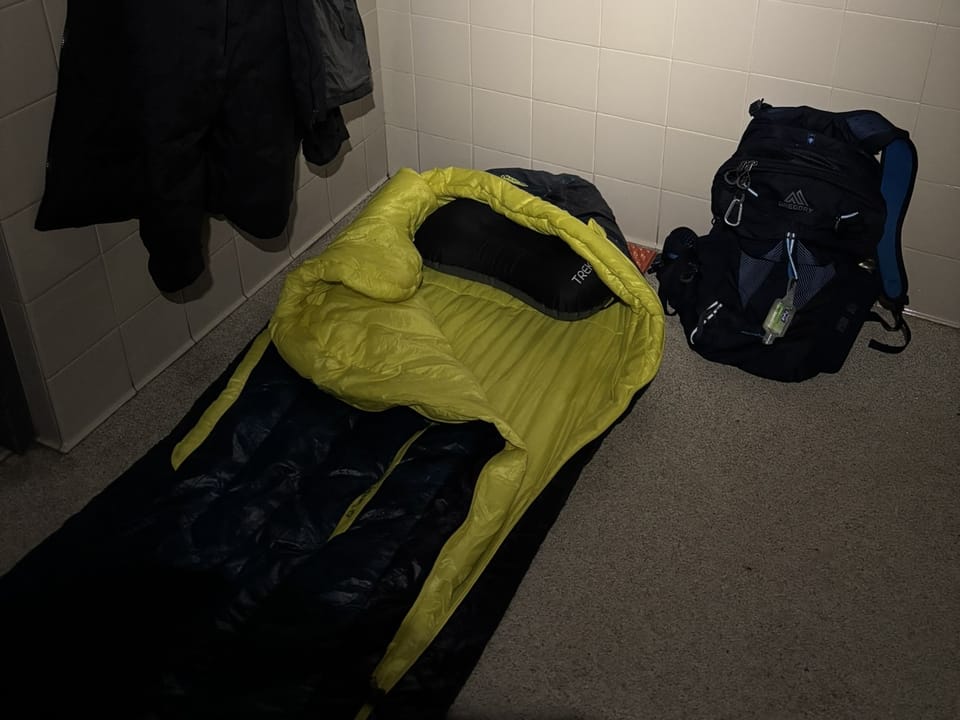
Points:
(642, 256)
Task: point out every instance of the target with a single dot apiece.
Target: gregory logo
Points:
(796, 201)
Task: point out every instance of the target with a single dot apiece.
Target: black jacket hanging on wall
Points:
(170, 110)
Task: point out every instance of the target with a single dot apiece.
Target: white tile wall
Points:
(217, 293)
(565, 73)
(639, 27)
(648, 80)
(27, 68)
(71, 316)
(573, 20)
(440, 152)
(443, 108)
(865, 61)
(501, 60)
(629, 150)
(678, 210)
(787, 92)
(714, 33)
(41, 260)
(502, 122)
(563, 136)
(637, 214)
(938, 295)
(399, 101)
(347, 180)
(112, 233)
(950, 13)
(554, 168)
(260, 259)
(45, 424)
(924, 10)
(87, 391)
(87, 325)
(449, 9)
(938, 143)
(374, 118)
(396, 40)
(403, 149)
(155, 333)
(311, 214)
(933, 219)
(943, 81)
(220, 232)
(693, 87)
(375, 150)
(689, 161)
(485, 158)
(647, 98)
(796, 42)
(23, 147)
(127, 275)
(441, 49)
(515, 15)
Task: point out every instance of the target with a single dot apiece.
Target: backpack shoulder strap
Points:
(898, 162)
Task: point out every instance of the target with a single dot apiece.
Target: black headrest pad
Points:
(470, 239)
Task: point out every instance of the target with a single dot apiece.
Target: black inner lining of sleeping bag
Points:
(469, 239)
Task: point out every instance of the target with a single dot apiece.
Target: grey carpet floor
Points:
(737, 548)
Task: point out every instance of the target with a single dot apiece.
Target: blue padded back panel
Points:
(899, 169)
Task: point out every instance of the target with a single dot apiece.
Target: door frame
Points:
(16, 427)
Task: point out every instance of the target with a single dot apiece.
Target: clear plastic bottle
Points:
(780, 315)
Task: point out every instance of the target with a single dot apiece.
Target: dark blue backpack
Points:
(807, 215)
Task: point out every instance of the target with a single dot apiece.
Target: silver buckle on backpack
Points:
(735, 212)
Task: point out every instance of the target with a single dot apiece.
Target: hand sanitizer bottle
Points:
(780, 315)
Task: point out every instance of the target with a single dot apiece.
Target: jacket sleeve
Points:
(330, 66)
(322, 143)
(339, 30)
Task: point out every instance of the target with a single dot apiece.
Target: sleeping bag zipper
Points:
(362, 500)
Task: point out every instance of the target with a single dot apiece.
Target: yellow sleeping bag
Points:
(368, 323)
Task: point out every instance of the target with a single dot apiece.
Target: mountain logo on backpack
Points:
(796, 201)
